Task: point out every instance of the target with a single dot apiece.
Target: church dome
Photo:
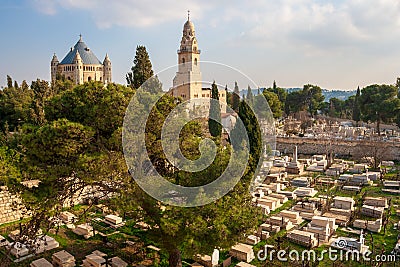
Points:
(188, 28)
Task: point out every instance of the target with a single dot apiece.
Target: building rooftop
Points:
(88, 57)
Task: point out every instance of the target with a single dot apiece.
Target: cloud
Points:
(315, 24)
(319, 24)
(125, 13)
(47, 7)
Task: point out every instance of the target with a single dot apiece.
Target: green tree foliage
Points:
(92, 104)
(274, 103)
(9, 172)
(249, 95)
(228, 96)
(214, 126)
(356, 107)
(78, 145)
(15, 104)
(253, 131)
(185, 232)
(336, 107)
(236, 98)
(379, 103)
(295, 102)
(313, 98)
(9, 81)
(41, 92)
(309, 99)
(280, 92)
(141, 69)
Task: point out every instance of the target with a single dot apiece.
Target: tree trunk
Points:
(175, 259)
(378, 123)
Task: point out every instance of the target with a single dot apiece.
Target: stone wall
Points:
(309, 146)
(11, 208)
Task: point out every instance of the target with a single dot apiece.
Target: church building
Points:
(81, 65)
(187, 83)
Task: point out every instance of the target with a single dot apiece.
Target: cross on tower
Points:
(188, 14)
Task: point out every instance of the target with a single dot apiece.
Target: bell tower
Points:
(187, 82)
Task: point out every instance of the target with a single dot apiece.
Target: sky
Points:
(334, 44)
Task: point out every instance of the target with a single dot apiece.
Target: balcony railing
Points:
(198, 51)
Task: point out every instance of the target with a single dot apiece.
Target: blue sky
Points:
(335, 44)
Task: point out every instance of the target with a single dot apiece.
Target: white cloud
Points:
(129, 13)
(303, 23)
(323, 24)
(47, 7)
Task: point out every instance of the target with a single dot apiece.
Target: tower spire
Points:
(188, 14)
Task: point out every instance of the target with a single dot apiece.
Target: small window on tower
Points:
(183, 60)
(195, 61)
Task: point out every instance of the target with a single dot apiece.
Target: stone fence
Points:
(11, 208)
(309, 146)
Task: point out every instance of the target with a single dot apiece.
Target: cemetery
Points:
(302, 207)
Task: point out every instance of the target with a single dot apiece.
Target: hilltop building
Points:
(187, 83)
(81, 65)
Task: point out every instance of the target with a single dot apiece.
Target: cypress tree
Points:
(249, 95)
(9, 82)
(228, 95)
(236, 98)
(214, 126)
(141, 69)
(356, 107)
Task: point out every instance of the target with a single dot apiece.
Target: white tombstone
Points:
(362, 238)
(295, 154)
(215, 257)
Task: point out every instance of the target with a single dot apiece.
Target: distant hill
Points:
(328, 93)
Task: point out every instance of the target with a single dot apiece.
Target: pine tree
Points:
(356, 107)
(214, 126)
(236, 98)
(141, 70)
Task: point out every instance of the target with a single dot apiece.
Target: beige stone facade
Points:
(81, 65)
(187, 83)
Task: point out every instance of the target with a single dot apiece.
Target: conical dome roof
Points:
(188, 29)
(88, 57)
(188, 26)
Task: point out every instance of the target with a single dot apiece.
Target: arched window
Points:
(183, 60)
(89, 78)
(195, 61)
